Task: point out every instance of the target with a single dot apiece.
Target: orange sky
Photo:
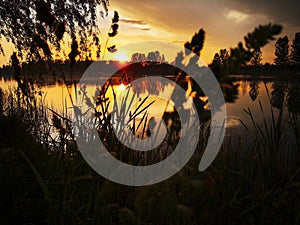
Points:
(175, 21)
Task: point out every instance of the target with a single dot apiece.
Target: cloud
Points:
(225, 21)
(184, 19)
(141, 28)
(179, 41)
(280, 11)
(236, 16)
(138, 22)
(186, 16)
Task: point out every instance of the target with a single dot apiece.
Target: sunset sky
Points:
(174, 21)
(225, 21)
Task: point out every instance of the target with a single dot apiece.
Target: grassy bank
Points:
(45, 180)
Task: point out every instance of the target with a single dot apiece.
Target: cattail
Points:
(114, 32)
(116, 17)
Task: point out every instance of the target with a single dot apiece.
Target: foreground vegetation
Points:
(45, 180)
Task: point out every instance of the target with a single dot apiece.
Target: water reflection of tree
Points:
(293, 98)
(277, 95)
(230, 90)
(254, 89)
(284, 94)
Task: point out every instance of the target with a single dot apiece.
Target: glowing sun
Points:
(121, 57)
(122, 87)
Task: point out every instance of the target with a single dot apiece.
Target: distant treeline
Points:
(51, 71)
(270, 70)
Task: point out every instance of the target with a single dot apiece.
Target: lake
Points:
(265, 93)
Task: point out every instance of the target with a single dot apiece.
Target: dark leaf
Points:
(112, 49)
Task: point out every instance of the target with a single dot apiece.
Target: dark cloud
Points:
(278, 10)
(183, 18)
(138, 22)
(194, 11)
(179, 41)
(141, 28)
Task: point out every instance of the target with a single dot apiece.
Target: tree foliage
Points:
(240, 55)
(220, 63)
(36, 27)
(138, 57)
(255, 40)
(257, 58)
(261, 36)
(282, 51)
(295, 55)
(154, 56)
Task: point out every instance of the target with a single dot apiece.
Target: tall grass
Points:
(44, 179)
(260, 179)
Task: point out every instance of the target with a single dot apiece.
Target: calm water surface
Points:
(272, 93)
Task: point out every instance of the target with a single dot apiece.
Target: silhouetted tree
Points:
(257, 58)
(216, 66)
(255, 40)
(138, 57)
(295, 54)
(217, 59)
(224, 57)
(239, 56)
(282, 51)
(224, 63)
(154, 56)
(220, 63)
(35, 27)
